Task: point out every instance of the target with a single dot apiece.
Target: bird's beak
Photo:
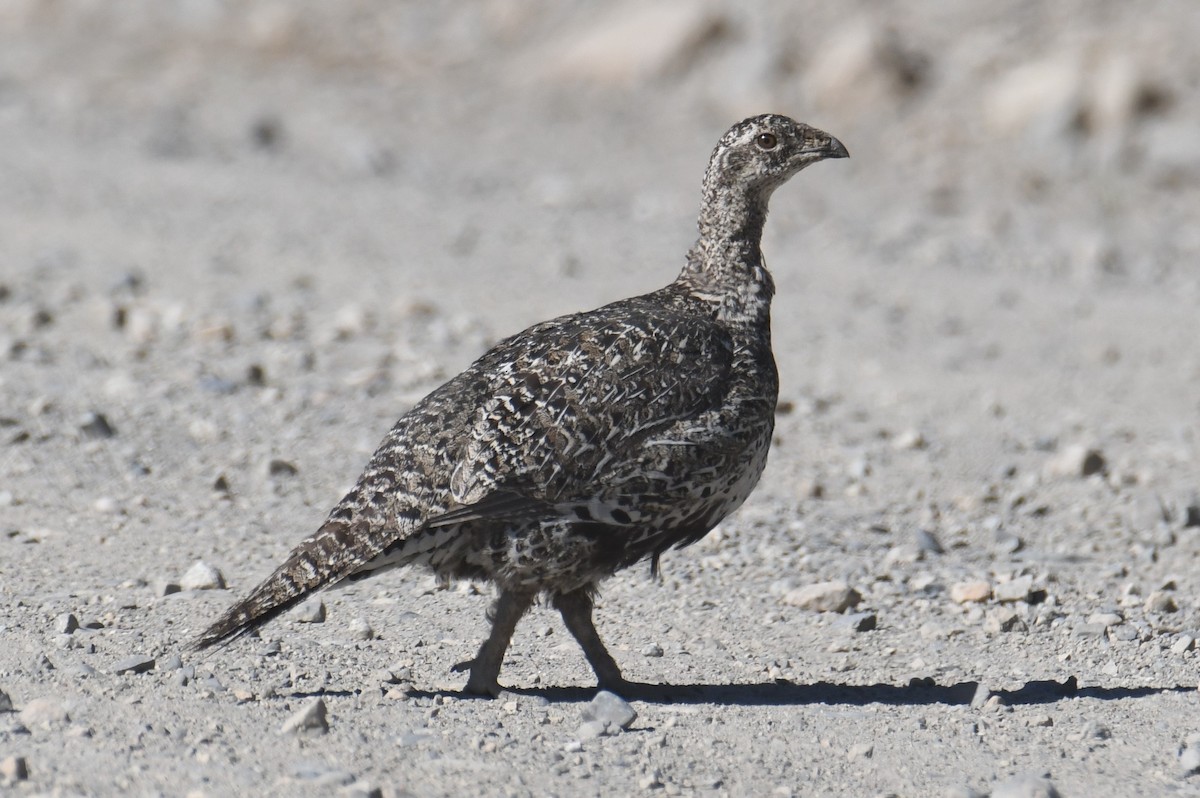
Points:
(836, 149)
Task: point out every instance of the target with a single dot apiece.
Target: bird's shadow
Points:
(919, 692)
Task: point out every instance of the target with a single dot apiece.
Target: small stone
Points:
(1105, 619)
(1184, 642)
(96, 426)
(652, 650)
(1004, 620)
(858, 622)
(591, 729)
(1191, 515)
(13, 769)
(1014, 590)
(928, 542)
(311, 718)
(982, 694)
(282, 469)
(1025, 787)
(134, 664)
(611, 710)
(860, 751)
(967, 592)
(202, 576)
(66, 623)
(173, 662)
(1189, 760)
(6, 704)
(361, 630)
(909, 439)
(42, 712)
(164, 587)
(106, 505)
(835, 596)
(311, 611)
(1077, 461)
(632, 42)
(1159, 601)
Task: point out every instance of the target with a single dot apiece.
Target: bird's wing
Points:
(573, 399)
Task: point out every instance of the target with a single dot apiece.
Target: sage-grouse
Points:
(584, 444)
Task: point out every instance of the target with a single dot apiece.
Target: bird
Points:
(583, 445)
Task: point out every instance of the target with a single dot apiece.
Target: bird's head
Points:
(759, 154)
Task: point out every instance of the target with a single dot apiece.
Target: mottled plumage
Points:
(584, 444)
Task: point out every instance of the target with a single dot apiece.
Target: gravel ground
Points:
(238, 240)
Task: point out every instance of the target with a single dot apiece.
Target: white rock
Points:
(361, 630)
(965, 592)
(633, 41)
(311, 718)
(1025, 787)
(42, 712)
(202, 576)
(1013, 590)
(311, 611)
(1077, 460)
(611, 711)
(834, 596)
(13, 769)
(1040, 97)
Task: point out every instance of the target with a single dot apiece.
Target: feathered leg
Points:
(485, 668)
(576, 610)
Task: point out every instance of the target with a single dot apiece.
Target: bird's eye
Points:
(766, 141)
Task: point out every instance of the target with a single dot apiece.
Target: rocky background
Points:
(237, 240)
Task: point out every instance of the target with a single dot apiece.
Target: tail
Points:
(337, 549)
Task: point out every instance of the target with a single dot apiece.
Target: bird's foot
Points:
(478, 683)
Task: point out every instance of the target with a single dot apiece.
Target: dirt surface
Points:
(237, 240)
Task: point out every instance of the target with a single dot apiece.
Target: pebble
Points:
(1077, 460)
(311, 611)
(164, 587)
(6, 704)
(835, 596)
(1004, 620)
(1184, 642)
(96, 427)
(591, 729)
(652, 650)
(612, 712)
(361, 630)
(13, 769)
(1025, 786)
(311, 718)
(928, 542)
(202, 576)
(66, 623)
(281, 469)
(860, 751)
(633, 41)
(1014, 590)
(1189, 760)
(965, 592)
(134, 664)
(43, 712)
(1191, 515)
(1159, 601)
(858, 622)
(1105, 619)
(982, 693)
(173, 662)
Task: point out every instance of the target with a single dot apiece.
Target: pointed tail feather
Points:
(328, 556)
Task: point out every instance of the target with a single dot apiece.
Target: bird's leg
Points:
(576, 609)
(485, 668)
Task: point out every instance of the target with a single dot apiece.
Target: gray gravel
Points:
(238, 240)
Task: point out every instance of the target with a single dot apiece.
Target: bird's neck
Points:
(725, 266)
